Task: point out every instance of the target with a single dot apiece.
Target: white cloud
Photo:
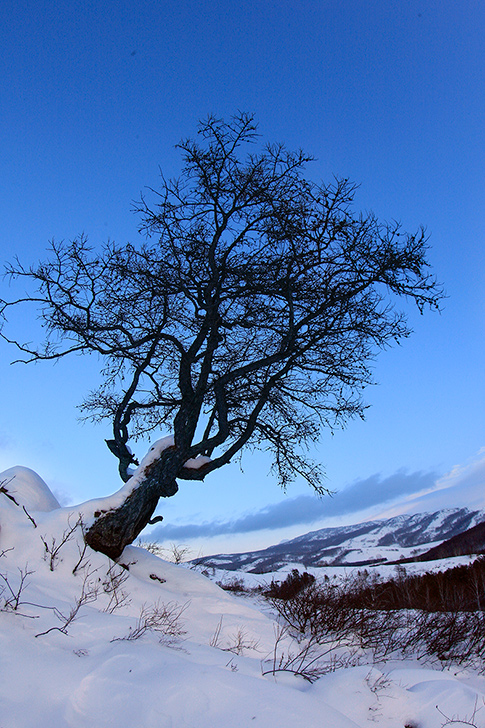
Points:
(464, 485)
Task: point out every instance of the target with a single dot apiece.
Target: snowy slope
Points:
(210, 676)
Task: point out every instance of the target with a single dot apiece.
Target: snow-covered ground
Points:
(162, 646)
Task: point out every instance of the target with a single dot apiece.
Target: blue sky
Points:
(93, 98)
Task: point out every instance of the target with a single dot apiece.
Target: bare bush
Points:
(233, 585)
(113, 582)
(164, 619)
(423, 616)
(52, 549)
(153, 547)
(6, 492)
(305, 658)
(89, 593)
(82, 548)
(236, 642)
(178, 553)
(215, 639)
(322, 610)
(239, 641)
(458, 589)
(457, 720)
(14, 598)
(294, 583)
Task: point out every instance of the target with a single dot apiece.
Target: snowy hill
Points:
(86, 642)
(363, 543)
(28, 489)
(471, 541)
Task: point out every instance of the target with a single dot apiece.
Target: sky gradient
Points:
(93, 99)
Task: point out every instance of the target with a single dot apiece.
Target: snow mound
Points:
(29, 489)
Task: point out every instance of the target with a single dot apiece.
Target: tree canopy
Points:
(248, 316)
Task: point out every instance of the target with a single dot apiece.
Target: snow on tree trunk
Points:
(118, 527)
(116, 521)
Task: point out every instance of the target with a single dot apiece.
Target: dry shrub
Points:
(165, 619)
(294, 583)
(431, 616)
(233, 585)
(461, 588)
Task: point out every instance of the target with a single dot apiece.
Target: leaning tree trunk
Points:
(118, 527)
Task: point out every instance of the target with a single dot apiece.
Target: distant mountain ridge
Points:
(392, 539)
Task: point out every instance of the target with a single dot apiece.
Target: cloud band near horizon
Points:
(306, 509)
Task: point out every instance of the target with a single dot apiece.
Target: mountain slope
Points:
(471, 541)
(374, 541)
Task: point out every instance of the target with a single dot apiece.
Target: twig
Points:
(89, 594)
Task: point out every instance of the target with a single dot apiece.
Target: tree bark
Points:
(114, 529)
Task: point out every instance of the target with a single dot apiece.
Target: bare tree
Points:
(247, 318)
